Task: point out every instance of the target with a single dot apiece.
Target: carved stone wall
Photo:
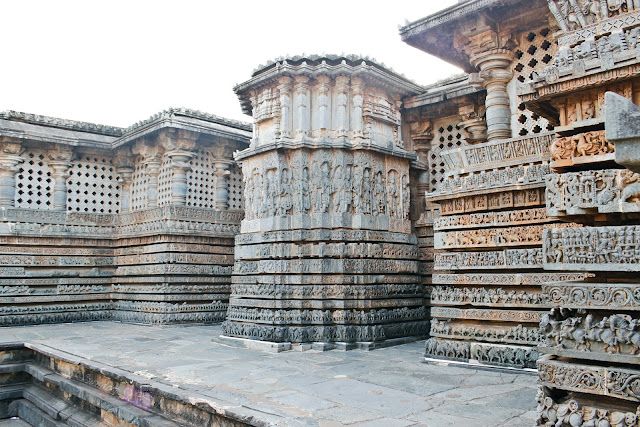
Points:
(80, 240)
(326, 253)
(589, 367)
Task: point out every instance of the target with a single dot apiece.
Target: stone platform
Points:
(386, 387)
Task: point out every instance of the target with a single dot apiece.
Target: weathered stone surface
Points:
(328, 204)
(120, 230)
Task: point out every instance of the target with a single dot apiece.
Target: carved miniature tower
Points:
(326, 253)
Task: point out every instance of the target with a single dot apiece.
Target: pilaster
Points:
(10, 150)
(60, 163)
(221, 171)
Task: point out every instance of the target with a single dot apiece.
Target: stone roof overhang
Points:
(442, 91)
(37, 128)
(328, 65)
(436, 33)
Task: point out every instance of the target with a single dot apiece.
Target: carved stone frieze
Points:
(599, 380)
(616, 334)
(602, 191)
(491, 219)
(513, 334)
(571, 412)
(507, 259)
(450, 295)
(518, 316)
(506, 279)
(492, 201)
(530, 235)
(592, 248)
(587, 147)
(607, 296)
(492, 354)
(486, 181)
(501, 153)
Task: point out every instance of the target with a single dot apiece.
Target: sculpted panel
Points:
(510, 258)
(491, 219)
(593, 248)
(449, 295)
(493, 201)
(586, 192)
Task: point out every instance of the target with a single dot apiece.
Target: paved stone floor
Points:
(385, 387)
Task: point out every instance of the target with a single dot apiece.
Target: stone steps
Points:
(51, 390)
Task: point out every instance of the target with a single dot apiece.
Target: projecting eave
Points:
(439, 34)
(44, 129)
(451, 88)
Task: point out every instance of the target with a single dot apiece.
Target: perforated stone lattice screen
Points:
(535, 52)
(92, 186)
(164, 182)
(201, 180)
(34, 185)
(139, 181)
(236, 200)
(447, 135)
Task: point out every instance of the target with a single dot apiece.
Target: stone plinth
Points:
(326, 252)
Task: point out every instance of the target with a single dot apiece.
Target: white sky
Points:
(117, 62)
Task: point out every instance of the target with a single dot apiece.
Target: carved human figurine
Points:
(302, 200)
(341, 110)
(257, 195)
(347, 192)
(284, 202)
(366, 192)
(325, 187)
(394, 195)
(337, 189)
(379, 195)
(406, 197)
(248, 199)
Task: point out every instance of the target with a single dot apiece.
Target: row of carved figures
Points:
(574, 14)
(583, 144)
(611, 332)
(586, 246)
(326, 189)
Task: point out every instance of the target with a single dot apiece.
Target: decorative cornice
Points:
(328, 65)
(61, 123)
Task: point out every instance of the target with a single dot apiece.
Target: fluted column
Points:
(180, 166)
(221, 195)
(495, 73)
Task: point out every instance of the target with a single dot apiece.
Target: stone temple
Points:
(493, 216)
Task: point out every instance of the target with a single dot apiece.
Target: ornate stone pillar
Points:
(324, 110)
(357, 86)
(152, 161)
(221, 171)
(302, 106)
(494, 75)
(124, 168)
(179, 165)
(284, 89)
(342, 99)
(10, 150)
(126, 173)
(60, 163)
